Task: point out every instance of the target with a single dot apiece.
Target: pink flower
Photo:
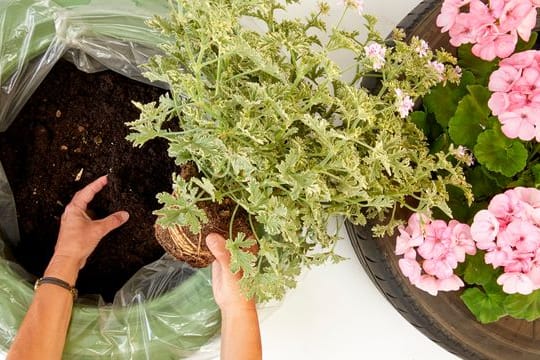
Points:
(451, 283)
(529, 82)
(499, 103)
(530, 196)
(405, 241)
(376, 53)
(438, 67)
(433, 252)
(462, 240)
(505, 206)
(516, 15)
(423, 48)
(504, 78)
(436, 240)
(515, 283)
(519, 124)
(521, 60)
(438, 268)
(495, 44)
(449, 12)
(410, 268)
(499, 256)
(404, 103)
(534, 275)
(484, 229)
(428, 284)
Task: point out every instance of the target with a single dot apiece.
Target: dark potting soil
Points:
(70, 132)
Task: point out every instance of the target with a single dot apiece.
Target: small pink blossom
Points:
(422, 48)
(376, 54)
(404, 103)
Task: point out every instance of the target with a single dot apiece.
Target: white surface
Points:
(336, 312)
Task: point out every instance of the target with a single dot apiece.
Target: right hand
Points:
(225, 284)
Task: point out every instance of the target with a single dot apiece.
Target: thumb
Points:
(112, 222)
(216, 244)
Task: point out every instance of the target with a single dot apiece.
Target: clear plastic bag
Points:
(166, 310)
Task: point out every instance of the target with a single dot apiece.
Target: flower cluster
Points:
(509, 231)
(516, 95)
(404, 103)
(493, 28)
(431, 251)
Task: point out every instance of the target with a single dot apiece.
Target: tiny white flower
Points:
(463, 154)
(423, 48)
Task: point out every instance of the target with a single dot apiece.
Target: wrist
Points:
(235, 311)
(64, 268)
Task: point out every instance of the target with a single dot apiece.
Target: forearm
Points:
(43, 331)
(241, 339)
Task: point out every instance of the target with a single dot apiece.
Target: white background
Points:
(336, 312)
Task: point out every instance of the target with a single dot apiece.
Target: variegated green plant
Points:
(270, 122)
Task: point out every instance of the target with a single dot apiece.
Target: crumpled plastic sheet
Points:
(166, 310)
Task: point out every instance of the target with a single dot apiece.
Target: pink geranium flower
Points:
(430, 259)
(499, 103)
(513, 283)
(504, 78)
(484, 229)
(520, 123)
(516, 245)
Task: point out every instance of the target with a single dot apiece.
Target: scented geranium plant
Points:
(269, 122)
(490, 123)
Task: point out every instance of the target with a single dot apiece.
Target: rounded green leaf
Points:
(500, 154)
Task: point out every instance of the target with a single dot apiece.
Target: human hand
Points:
(79, 234)
(225, 284)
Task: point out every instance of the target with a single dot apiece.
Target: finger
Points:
(82, 198)
(216, 244)
(111, 222)
(216, 271)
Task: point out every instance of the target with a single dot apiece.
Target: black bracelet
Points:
(58, 282)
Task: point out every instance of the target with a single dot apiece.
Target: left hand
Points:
(79, 234)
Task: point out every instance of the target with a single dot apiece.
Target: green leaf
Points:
(471, 116)
(482, 185)
(477, 271)
(419, 118)
(535, 169)
(485, 306)
(500, 154)
(480, 68)
(241, 258)
(525, 307)
(443, 100)
(526, 45)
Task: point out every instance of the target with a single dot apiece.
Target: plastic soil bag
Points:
(166, 310)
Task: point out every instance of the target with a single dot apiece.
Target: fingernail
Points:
(212, 239)
(124, 215)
